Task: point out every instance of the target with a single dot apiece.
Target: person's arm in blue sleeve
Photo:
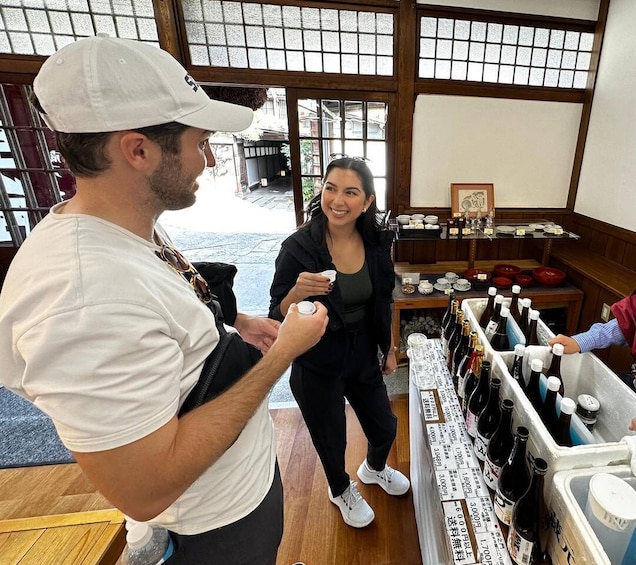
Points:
(598, 336)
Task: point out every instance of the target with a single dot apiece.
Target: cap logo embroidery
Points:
(190, 81)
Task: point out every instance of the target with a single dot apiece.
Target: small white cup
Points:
(306, 308)
(443, 283)
(330, 274)
(462, 283)
(451, 277)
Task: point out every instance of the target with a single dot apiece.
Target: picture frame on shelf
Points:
(474, 199)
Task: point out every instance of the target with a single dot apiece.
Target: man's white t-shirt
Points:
(107, 339)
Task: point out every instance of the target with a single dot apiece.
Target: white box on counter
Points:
(571, 539)
(581, 373)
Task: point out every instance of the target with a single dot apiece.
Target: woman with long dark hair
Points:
(343, 233)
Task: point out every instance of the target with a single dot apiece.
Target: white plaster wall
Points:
(524, 147)
(579, 9)
(607, 185)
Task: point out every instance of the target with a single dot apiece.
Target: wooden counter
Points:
(81, 538)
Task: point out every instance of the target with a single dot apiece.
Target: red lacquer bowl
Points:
(502, 282)
(509, 271)
(548, 276)
(523, 280)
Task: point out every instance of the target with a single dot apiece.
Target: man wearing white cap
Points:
(103, 324)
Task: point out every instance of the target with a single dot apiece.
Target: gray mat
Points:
(28, 436)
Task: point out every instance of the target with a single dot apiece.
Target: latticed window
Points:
(461, 49)
(289, 38)
(41, 27)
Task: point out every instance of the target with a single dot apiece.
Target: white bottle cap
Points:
(567, 406)
(499, 298)
(516, 289)
(534, 314)
(526, 302)
(138, 535)
(520, 349)
(536, 365)
(505, 312)
(557, 349)
(492, 290)
(554, 383)
(306, 308)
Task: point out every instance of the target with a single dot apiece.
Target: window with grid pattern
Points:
(289, 38)
(41, 27)
(459, 49)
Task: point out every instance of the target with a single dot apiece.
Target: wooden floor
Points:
(314, 531)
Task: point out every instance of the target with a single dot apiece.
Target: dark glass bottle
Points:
(453, 341)
(563, 436)
(525, 315)
(515, 311)
(464, 365)
(470, 377)
(548, 410)
(517, 366)
(500, 445)
(488, 419)
(450, 327)
(460, 351)
(514, 478)
(533, 392)
(490, 306)
(531, 337)
(494, 319)
(499, 340)
(524, 535)
(478, 399)
(555, 365)
(449, 311)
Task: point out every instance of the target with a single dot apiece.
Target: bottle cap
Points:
(499, 298)
(306, 308)
(567, 406)
(534, 314)
(492, 290)
(587, 406)
(138, 535)
(526, 302)
(516, 289)
(557, 349)
(520, 349)
(536, 365)
(554, 383)
(505, 312)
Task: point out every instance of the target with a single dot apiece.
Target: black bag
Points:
(230, 359)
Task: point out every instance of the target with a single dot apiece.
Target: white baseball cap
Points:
(103, 84)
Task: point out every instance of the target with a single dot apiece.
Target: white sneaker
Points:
(355, 510)
(391, 480)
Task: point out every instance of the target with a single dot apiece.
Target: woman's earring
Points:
(364, 210)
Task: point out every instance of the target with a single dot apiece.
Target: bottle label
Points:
(471, 424)
(481, 446)
(520, 548)
(490, 330)
(460, 387)
(491, 474)
(503, 508)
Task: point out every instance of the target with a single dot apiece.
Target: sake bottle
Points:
(470, 380)
(533, 392)
(548, 410)
(464, 364)
(450, 326)
(455, 337)
(499, 339)
(513, 479)
(500, 445)
(489, 309)
(524, 534)
(494, 319)
(488, 419)
(532, 337)
(478, 399)
(563, 436)
(516, 371)
(555, 365)
(524, 320)
(449, 311)
(460, 351)
(515, 311)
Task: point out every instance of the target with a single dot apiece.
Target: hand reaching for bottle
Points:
(568, 343)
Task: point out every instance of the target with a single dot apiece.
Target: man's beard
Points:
(171, 185)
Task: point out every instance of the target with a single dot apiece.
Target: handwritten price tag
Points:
(520, 232)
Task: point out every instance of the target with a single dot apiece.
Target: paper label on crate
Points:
(457, 433)
(443, 457)
(458, 533)
(449, 485)
(472, 483)
(464, 456)
(438, 434)
(429, 406)
(454, 414)
(491, 549)
(482, 515)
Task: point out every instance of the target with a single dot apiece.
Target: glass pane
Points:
(460, 50)
(331, 118)
(478, 31)
(350, 63)
(426, 68)
(307, 117)
(495, 32)
(428, 27)
(526, 35)
(254, 36)
(444, 49)
(580, 79)
(274, 38)
(462, 29)
(427, 48)
(442, 69)
(376, 120)
(522, 75)
(295, 61)
(539, 57)
(354, 148)
(506, 74)
(510, 34)
(445, 28)
(523, 56)
(311, 18)
(376, 153)
(380, 192)
(459, 70)
(312, 41)
(586, 42)
(557, 38)
(569, 60)
(477, 52)
(313, 62)
(331, 62)
(536, 76)
(354, 119)
(509, 54)
(572, 40)
(475, 71)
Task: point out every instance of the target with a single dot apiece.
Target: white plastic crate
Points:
(571, 538)
(581, 373)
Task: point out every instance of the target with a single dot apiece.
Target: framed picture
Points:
(476, 199)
